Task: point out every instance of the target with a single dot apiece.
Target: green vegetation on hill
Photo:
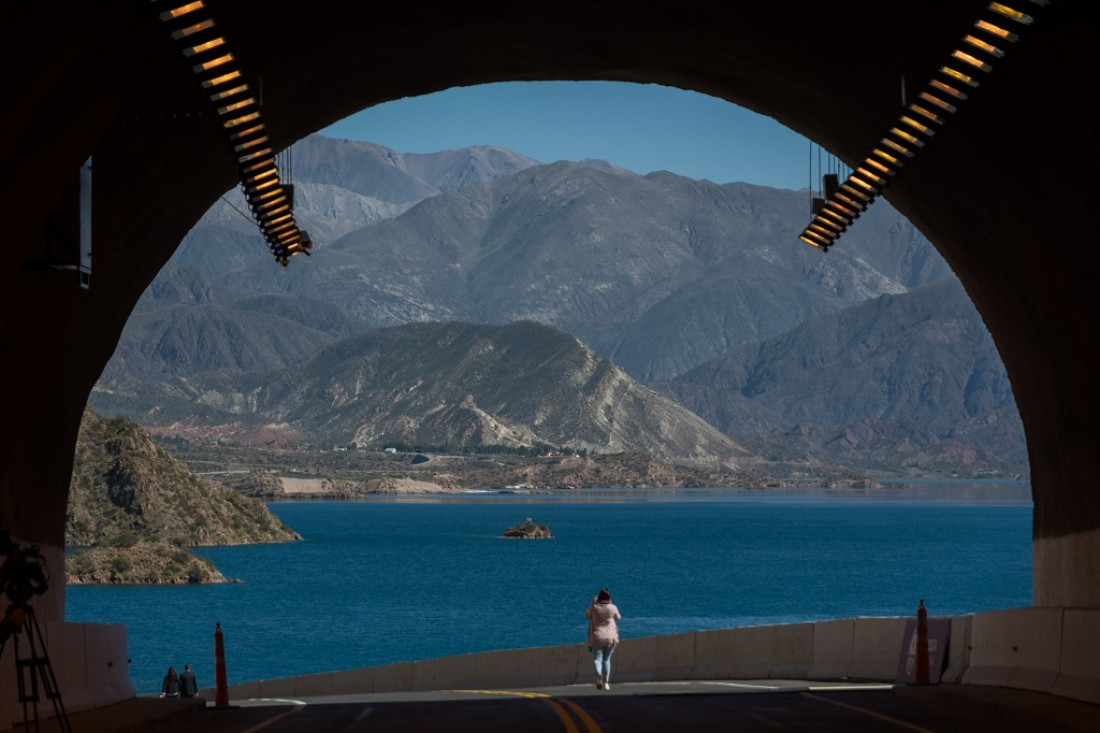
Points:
(140, 508)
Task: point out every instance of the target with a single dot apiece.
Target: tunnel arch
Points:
(1004, 193)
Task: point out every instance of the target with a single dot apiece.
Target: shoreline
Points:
(984, 492)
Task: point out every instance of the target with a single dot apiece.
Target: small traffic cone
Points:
(221, 687)
(922, 645)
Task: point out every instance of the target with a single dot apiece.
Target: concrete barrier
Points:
(792, 651)
(876, 647)
(89, 663)
(510, 668)
(559, 665)
(1046, 649)
(833, 647)
(651, 657)
(741, 653)
(1079, 673)
(1019, 648)
(958, 650)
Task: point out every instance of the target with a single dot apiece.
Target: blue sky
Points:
(640, 127)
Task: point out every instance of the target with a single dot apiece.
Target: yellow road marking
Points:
(570, 727)
(872, 713)
(581, 713)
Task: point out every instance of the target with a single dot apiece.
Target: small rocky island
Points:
(528, 531)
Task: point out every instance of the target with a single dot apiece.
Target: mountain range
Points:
(700, 288)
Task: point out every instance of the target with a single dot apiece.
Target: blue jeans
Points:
(603, 661)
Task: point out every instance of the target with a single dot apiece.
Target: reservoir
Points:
(405, 578)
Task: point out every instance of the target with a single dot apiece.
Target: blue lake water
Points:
(378, 582)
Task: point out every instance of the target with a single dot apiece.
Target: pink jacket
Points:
(602, 630)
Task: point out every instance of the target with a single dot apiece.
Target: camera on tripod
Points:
(23, 571)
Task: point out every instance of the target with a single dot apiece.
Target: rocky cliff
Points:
(138, 508)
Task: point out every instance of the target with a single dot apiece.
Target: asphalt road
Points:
(744, 706)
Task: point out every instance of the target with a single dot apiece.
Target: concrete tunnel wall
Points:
(1006, 191)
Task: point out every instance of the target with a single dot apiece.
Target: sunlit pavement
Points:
(744, 705)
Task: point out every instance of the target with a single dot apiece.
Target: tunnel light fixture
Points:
(916, 124)
(219, 96)
(190, 26)
(223, 79)
(946, 88)
(181, 10)
(996, 30)
(246, 132)
(191, 30)
(212, 63)
(989, 48)
(204, 47)
(936, 101)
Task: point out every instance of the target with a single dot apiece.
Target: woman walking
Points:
(603, 635)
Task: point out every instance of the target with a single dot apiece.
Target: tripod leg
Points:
(41, 664)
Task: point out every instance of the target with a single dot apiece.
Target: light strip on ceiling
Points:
(216, 69)
(918, 123)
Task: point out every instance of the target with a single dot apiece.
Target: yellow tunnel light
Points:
(856, 192)
(254, 155)
(859, 206)
(878, 166)
(926, 114)
(193, 29)
(203, 47)
(941, 103)
(219, 80)
(819, 229)
(824, 238)
(288, 235)
(989, 48)
(958, 76)
(835, 218)
(240, 89)
(269, 194)
(816, 239)
(996, 30)
(948, 89)
(277, 210)
(869, 176)
(918, 126)
(241, 120)
(236, 106)
(287, 227)
(841, 208)
(974, 61)
(887, 157)
(1016, 15)
(212, 63)
(265, 184)
(246, 132)
(897, 147)
(181, 10)
(265, 174)
(843, 221)
(270, 222)
(863, 184)
(270, 162)
(906, 136)
(273, 204)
